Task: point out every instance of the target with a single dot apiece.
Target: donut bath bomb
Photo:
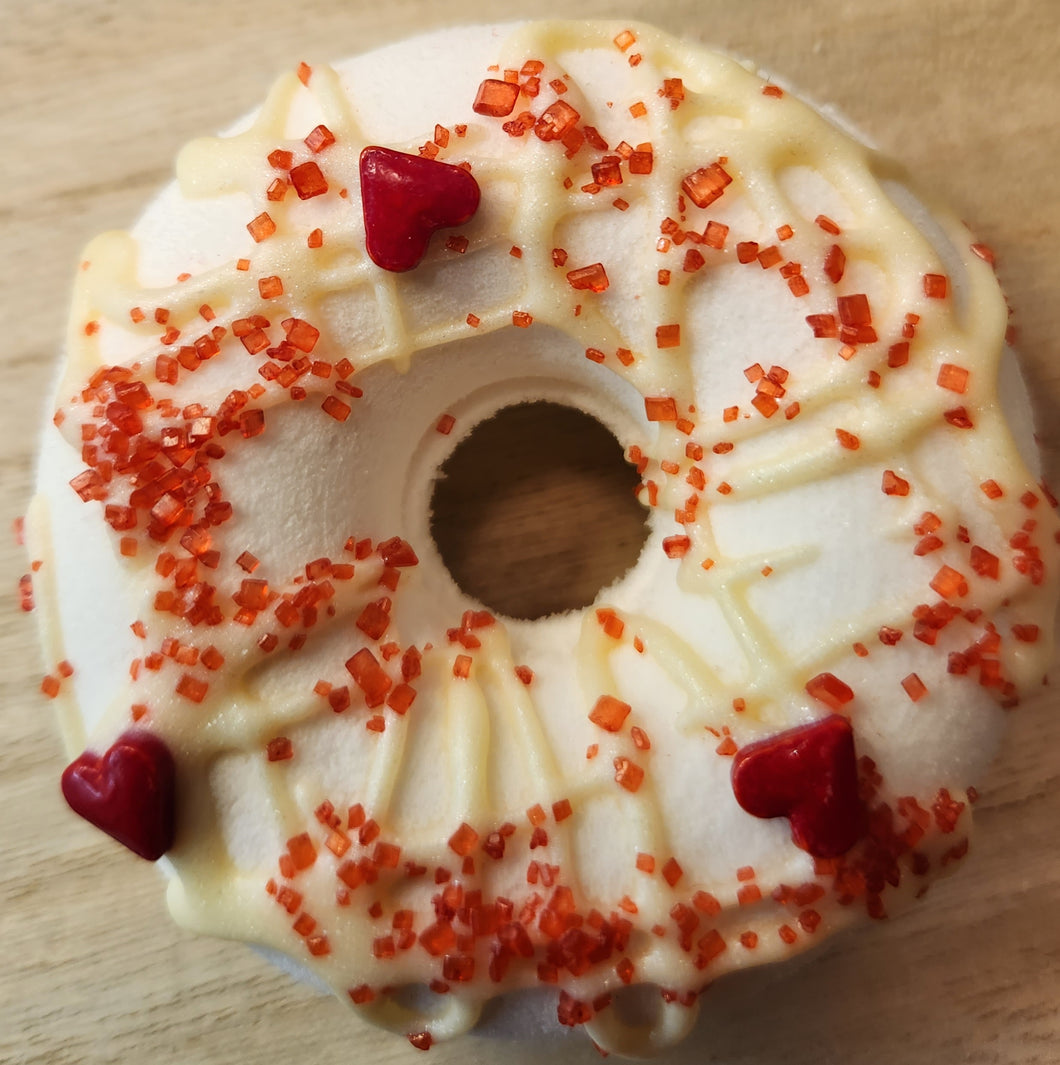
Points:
(770, 728)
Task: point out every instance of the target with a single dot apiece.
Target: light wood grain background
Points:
(95, 99)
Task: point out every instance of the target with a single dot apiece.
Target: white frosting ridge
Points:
(794, 559)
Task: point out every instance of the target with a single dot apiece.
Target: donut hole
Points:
(533, 512)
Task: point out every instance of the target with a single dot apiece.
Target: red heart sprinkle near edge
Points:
(405, 199)
(129, 792)
(808, 774)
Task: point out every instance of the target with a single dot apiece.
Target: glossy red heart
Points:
(809, 775)
(406, 198)
(129, 792)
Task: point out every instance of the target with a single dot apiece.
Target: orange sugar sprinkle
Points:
(522, 320)
(645, 863)
(847, 440)
(462, 667)
(261, 228)
(625, 40)
(445, 424)
(609, 713)
(954, 378)
(270, 287)
(628, 774)
(949, 583)
(769, 257)
(192, 688)
(668, 336)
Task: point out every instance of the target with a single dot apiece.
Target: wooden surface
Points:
(95, 99)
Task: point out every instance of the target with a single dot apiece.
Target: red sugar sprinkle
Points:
(985, 563)
(748, 894)
(935, 286)
(279, 749)
(555, 121)
(705, 185)
(319, 138)
(847, 440)
(835, 264)
(369, 677)
(336, 408)
(830, 690)
(672, 872)
(914, 687)
(592, 278)
(308, 180)
(893, 485)
(463, 840)
(495, 99)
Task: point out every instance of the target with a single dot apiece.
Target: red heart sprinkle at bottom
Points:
(129, 792)
(809, 775)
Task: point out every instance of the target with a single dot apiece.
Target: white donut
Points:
(767, 729)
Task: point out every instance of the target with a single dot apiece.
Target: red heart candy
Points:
(129, 792)
(406, 198)
(808, 774)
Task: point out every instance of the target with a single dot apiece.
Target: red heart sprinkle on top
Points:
(406, 198)
(129, 792)
(809, 775)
